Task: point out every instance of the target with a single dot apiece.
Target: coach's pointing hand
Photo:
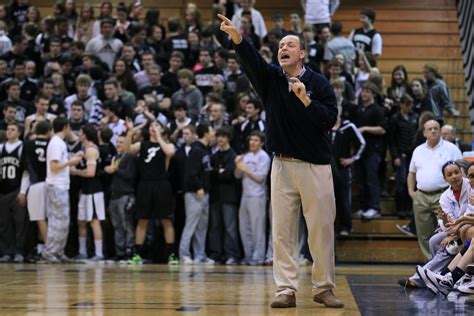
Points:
(229, 27)
(299, 89)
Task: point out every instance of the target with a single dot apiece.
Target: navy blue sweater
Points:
(292, 129)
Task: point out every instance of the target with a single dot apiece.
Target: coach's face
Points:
(289, 51)
(432, 131)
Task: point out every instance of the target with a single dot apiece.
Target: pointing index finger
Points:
(223, 18)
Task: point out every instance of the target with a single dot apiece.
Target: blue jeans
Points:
(368, 181)
(402, 199)
(223, 235)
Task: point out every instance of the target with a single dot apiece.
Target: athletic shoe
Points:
(421, 274)
(136, 259)
(407, 283)
(173, 260)
(466, 278)
(371, 214)
(66, 259)
(406, 230)
(231, 261)
(268, 262)
(443, 283)
(80, 257)
(18, 259)
(209, 262)
(48, 259)
(467, 286)
(186, 260)
(5, 259)
(96, 259)
(255, 263)
(470, 269)
(358, 214)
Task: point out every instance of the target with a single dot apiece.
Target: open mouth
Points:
(284, 56)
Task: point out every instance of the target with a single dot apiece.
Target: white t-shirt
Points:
(57, 150)
(427, 162)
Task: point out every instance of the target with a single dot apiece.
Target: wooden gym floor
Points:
(103, 289)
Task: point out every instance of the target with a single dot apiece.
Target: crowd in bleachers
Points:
(165, 134)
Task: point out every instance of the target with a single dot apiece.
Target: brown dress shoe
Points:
(284, 301)
(328, 299)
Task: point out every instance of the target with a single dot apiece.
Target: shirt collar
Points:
(299, 75)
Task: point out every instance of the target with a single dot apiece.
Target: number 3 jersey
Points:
(35, 159)
(151, 162)
(11, 166)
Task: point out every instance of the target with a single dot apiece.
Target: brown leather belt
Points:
(433, 192)
(286, 157)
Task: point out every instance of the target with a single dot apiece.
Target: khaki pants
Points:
(295, 183)
(424, 209)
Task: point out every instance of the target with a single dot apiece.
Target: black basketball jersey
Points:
(11, 169)
(151, 162)
(35, 158)
(91, 185)
(363, 40)
(74, 147)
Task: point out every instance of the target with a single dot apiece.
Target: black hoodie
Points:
(198, 168)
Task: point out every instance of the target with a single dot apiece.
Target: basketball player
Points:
(41, 104)
(91, 208)
(34, 178)
(301, 109)
(13, 218)
(154, 191)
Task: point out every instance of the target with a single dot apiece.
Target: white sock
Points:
(98, 248)
(83, 246)
(39, 248)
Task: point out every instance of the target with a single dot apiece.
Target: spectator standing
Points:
(438, 92)
(448, 132)
(203, 77)
(366, 38)
(402, 130)
(253, 168)
(196, 186)
(425, 175)
(223, 235)
(340, 45)
(105, 46)
(188, 92)
(122, 199)
(13, 215)
(256, 18)
(319, 12)
(370, 119)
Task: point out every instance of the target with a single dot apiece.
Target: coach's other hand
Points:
(299, 89)
(228, 27)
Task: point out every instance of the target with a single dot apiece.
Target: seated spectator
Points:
(85, 24)
(28, 89)
(122, 23)
(366, 38)
(218, 116)
(366, 62)
(247, 30)
(155, 87)
(278, 21)
(438, 92)
(20, 43)
(193, 20)
(137, 35)
(253, 168)
(370, 119)
(188, 92)
(221, 56)
(448, 132)
(219, 89)
(401, 132)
